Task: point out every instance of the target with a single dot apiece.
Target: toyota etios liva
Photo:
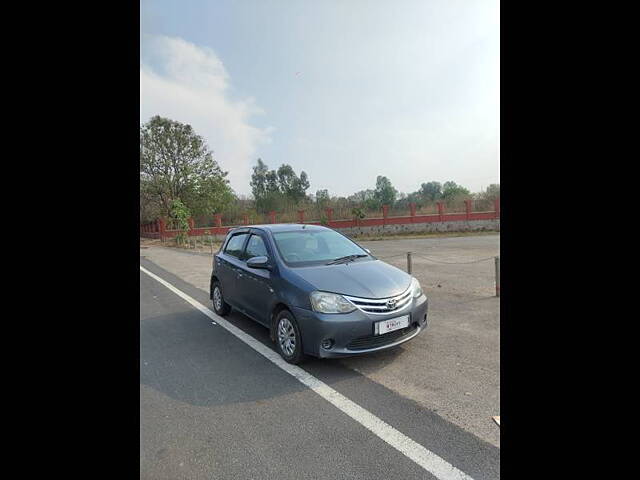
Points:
(317, 291)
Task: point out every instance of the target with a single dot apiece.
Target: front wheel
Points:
(219, 305)
(288, 338)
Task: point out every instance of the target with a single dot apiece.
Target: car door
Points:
(229, 265)
(255, 284)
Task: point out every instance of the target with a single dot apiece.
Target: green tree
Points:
(361, 196)
(431, 191)
(292, 186)
(150, 205)
(366, 199)
(176, 164)
(451, 190)
(415, 197)
(385, 193)
(210, 193)
(277, 189)
(322, 198)
(302, 185)
(491, 192)
(485, 198)
(259, 179)
(272, 182)
(265, 188)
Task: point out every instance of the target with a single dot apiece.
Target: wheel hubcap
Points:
(286, 337)
(217, 298)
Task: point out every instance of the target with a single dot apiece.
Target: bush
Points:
(358, 213)
(181, 214)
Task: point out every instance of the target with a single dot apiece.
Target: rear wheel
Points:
(288, 338)
(219, 305)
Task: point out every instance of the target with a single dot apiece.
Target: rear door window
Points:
(234, 247)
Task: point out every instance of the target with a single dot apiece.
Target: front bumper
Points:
(353, 333)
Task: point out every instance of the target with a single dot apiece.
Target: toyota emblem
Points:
(391, 304)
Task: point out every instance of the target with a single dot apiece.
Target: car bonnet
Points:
(367, 278)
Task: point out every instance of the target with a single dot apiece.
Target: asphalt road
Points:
(452, 369)
(212, 407)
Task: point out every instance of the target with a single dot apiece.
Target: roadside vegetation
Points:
(180, 179)
(408, 235)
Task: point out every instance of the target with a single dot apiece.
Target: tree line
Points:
(179, 176)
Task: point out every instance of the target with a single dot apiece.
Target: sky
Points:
(345, 90)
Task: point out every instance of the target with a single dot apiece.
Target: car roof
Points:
(281, 227)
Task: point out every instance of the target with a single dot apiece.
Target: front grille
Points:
(373, 341)
(382, 305)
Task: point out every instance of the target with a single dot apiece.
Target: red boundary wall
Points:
(158, 228)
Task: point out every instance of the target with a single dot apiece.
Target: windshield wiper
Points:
(346, 259)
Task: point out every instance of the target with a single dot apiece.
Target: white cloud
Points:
(187, 83)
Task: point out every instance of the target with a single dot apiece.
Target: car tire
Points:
(221, 307)
(288, 338)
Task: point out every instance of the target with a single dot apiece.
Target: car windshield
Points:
(310, 247)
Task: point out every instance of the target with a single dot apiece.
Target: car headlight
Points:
(415, 287)
(325, 302)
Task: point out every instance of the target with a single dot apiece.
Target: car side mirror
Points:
(367, 250)
(258, 262)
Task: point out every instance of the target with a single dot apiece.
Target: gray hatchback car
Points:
(317, 291)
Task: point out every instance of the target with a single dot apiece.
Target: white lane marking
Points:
(428, 460)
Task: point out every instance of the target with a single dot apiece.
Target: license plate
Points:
(392, 324)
